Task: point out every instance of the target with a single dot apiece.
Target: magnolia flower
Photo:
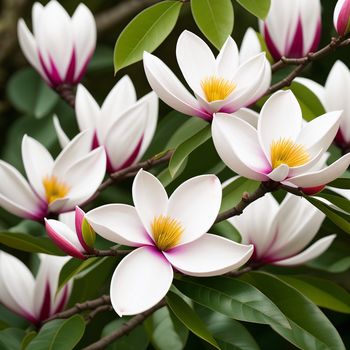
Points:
(250, 46)
(169, 234)
(123, 125)
(334, 96)
(55, 186)
(292, 27)
(220, 84)
(341, 17)
(60, 47)
(72, 233)
(280, 232)
(282, 148)
(34, 298)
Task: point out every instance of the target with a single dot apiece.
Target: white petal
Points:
(315, 250)
(140, 281)
(84, 37)
(169, 88)
(196, 204)
(323, 176)
(150, 198)
(118, 223)
(314, 87)
(279, 118)
(250, 45)
(61, 135)
(16, 196)
(280, 173)
(228, 59)
(86, 109)
(225, 255)
(248, 115)
(37, 162)
(120, 98)
(195, 59)
(237, 144)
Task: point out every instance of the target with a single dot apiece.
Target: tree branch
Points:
(124, 329)
(67, 93)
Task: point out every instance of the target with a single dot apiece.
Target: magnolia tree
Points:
(208, 210)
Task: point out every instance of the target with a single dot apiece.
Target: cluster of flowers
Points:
(172, 233)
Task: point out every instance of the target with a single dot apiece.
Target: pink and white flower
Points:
(280, 232)
(282, 148)
(123, 125)
(341, 17)
(34, 298)
(169, 233)
(61, 46)
(219, 84)
(72, 233)
(292, 27)
(55, 186)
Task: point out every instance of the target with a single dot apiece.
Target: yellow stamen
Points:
(166, 232)
(285, 151)
(216, 88)
(54, 189)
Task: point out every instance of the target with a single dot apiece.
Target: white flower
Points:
(220, 84)
(123, 125)
(292, 27)
(279, 233)
(250, 46)
(341, 17)
(282, 148)
(34, 298)
(168, 233)
(60, 47)
(55, 186)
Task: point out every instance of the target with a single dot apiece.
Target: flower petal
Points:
(118, 223)
(315, 250)
(228, 60)
(314, 87)
(38, 163)
(225, 255)
(140, 281)
(150, 198)
(250, 45)
(280, 173)
(279, 118)
(237, 145)
(248, 115)
(61, 135)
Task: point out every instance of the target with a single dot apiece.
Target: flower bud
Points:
(341, 17)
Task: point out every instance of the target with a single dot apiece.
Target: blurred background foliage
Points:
(27, 106)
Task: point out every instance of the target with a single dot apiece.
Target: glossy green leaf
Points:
(310, 104)
(233, 298)
(165, 331)
(186, 148)
(11, 338)
(135, 339)
(341, 182)
(189, 318)
(259, 8)
(145, 32)
(214, 18)
(337, 200)
(59, 334)
(322, 292)
(332, 214)
(226, 229)
(28, 243)
(310, 327)
(27, 339)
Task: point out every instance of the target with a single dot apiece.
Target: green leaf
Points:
(310, 327)
(332, 214)
(28, 243)
(135, 339)
(341, 182)
(214, 18)
(322, 292)
(59, 334)
(165, 331)
(259, 8)
(189, 318)
(11, 338)
(233, 298)
(310, 104)
(145, 32)
(186, 148)
(225, 229)
(232, 193)
(30, 94)
(27, 339)
(337, 200)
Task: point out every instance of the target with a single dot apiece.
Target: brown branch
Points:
(89, 317)
(124, 329)
(67, 93)
(107, 252)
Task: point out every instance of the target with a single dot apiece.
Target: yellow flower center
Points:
(216, 88)
(54, 189)
(285, 151)
(166, 232)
